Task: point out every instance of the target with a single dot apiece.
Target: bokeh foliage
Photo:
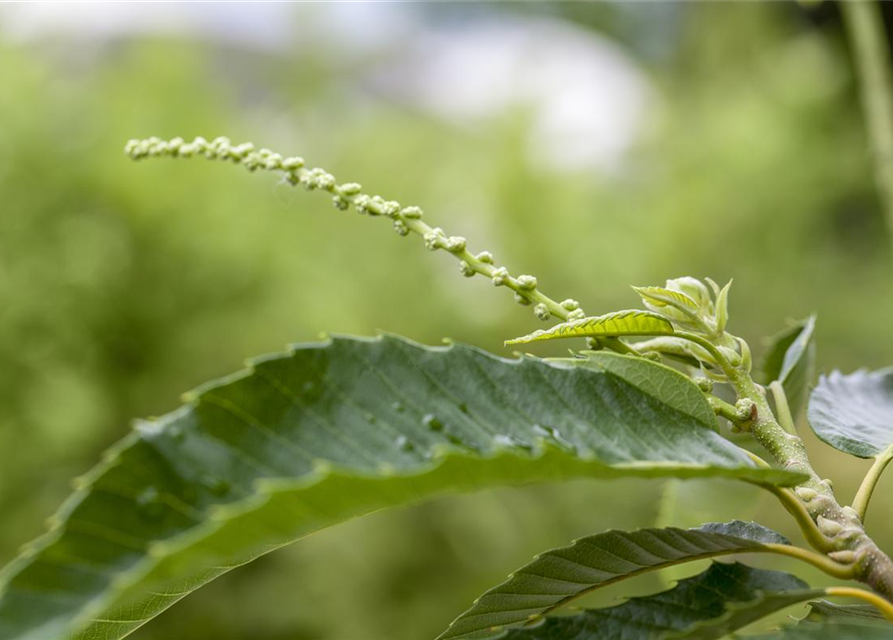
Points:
(122, 285)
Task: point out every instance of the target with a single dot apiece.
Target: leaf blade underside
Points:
(790, 359)
(854, 413)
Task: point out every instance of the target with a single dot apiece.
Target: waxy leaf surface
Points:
(330, 431)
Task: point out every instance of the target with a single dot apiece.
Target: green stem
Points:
(871, 598)
(823, 563)
(782, 408)
(867, 36)
(840, 526)
(863, 496)
(718, 355)
(796, 508)
(724, 409)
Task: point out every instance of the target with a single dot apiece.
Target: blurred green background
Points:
(593, 145)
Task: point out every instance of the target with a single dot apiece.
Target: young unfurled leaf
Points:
(677, 349)
(708, 606)
(854, 413)
(632, 322)
(722, 307)
(558, 576)
(327, 432)
(790, 359)
(661, 297)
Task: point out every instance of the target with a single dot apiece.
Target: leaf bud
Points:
(829, 527)
(693, 288)
(745, 409)
(594, 344)
(704, 384)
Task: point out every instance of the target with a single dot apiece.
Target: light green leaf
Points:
(327, 432)
(854, 413)
(632, 322)
(660, 297)
(722, 307)
(790, 359)
(558, 576)
(708, 606)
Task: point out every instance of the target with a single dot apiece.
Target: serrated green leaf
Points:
(327, 432)
(854, 413)
(631, 322)
(708, 606)
(558, 576)
(790, 359)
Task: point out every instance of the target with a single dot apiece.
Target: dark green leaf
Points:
(558, 576)
(854, 413)
(328, 432)
(790, 359)
(724, 598)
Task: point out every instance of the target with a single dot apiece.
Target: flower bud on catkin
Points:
(500, 276)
